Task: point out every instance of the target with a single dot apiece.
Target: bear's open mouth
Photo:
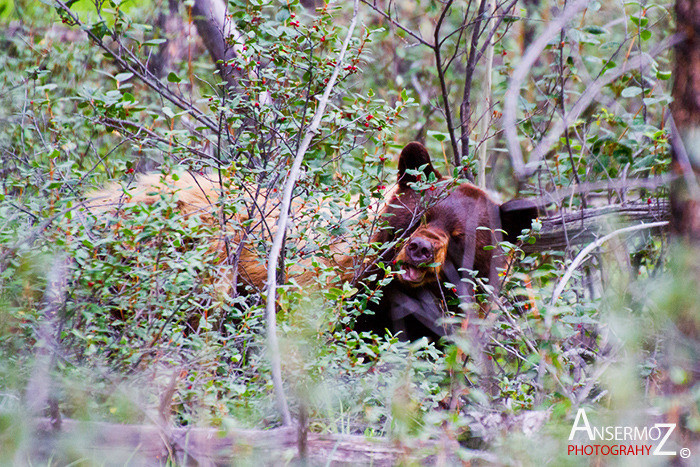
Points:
(411, 273)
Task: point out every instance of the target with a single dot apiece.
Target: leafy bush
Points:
(152, 324)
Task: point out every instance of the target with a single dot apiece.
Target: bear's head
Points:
(441, 226)
(439, 231)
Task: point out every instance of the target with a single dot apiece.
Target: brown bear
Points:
(439, 231)
(235, 234)
(436, 230)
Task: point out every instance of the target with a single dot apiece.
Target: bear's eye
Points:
(457, 234)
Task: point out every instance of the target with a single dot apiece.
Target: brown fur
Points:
(198, 195)
(440, 232)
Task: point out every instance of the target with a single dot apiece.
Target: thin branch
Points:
(443, 85)
(466, 107)
(135, 134)
(553, 133)
(139, 70)
(584, 253)
(397, 24)
(486, 122)
(519, 75)
(282, 226)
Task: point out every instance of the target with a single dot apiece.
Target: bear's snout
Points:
(422, 256)
(420, 250)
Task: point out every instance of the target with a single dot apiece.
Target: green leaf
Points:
(154, 42)
(645, 35)
(597, 30)
(639, 21)
(437, 135)
(121, 77)
(47, 87)
(282, 15)
(334, 293)
(100, 30)
(664, 75)
(656, 100)
(173, 78)
(631, 91)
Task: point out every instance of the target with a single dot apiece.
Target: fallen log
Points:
(150, 444)
(564, 230)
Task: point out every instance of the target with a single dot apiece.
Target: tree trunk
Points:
(685, 109)
(218, 34)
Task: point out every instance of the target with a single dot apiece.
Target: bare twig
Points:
(465, 106)
(282, 225)
(486, 122)
(443, 85)
(417, 37)
(584, 253)
(519, 75)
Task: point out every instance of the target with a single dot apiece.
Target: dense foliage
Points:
(145, 330)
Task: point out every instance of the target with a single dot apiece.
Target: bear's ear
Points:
(413, 157)
(517, 215)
